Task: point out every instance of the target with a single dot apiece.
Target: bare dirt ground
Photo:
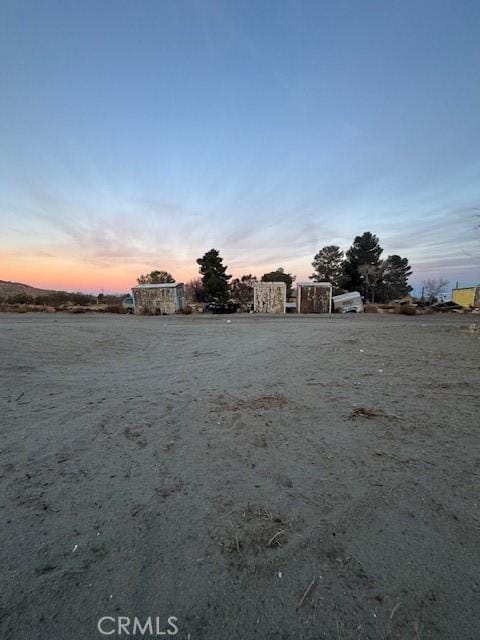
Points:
(271, 478)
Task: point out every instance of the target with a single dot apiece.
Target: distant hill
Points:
(8, 289)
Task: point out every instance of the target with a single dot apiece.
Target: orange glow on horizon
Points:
(65, 275)
(60, 273)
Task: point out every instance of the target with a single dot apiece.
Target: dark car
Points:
(218, 307)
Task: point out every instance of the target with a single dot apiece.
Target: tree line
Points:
(360, 268)
(59, 298)
(53, 298)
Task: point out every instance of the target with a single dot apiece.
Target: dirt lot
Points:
(270, 478)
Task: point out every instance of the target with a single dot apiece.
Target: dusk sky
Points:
(138, 135)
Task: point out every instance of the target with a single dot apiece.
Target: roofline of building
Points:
(264, 283)
(314, 284)
(474, 286)
(166, 285)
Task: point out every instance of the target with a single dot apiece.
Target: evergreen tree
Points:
(279, 275)
(328, 266)
(365, 250)
(396, 272)
(214, 277)
(156, 277)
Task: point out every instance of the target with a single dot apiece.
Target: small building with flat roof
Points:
(314, 297)
(467, 296)
(158, 299)
(269, 297)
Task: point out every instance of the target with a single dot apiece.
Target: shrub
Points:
(115, 308)
(370, 308)
(406, 310)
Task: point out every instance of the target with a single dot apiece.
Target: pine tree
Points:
(396, 272)
(328, 266)
(365, 250)
(214, 277)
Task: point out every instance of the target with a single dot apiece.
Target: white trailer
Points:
(348, 303)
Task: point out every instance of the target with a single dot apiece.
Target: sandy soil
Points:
(212, 471)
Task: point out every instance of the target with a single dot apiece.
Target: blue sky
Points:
(138, 135)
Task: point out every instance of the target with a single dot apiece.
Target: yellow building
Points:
(467, 296)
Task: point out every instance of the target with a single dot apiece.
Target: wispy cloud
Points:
(139, 232)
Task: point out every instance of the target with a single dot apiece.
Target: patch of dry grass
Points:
(405, 310)
(370, 308)
(252, 529)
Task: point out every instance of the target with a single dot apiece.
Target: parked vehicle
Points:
(218, 307)
(348, 303)
(127, 304)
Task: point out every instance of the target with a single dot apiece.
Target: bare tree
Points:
(372, 276)
(194, 291)
(241, 289)
(433, 288)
